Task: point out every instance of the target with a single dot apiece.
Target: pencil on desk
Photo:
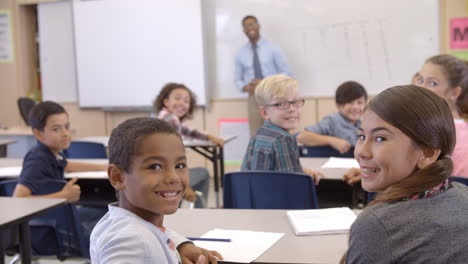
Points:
(210, 239)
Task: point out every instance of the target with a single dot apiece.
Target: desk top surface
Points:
(11, 168)
(16, 131)
(311, 163)
(7, 141)
(17, 210)
(317, 163)
(187, 142)
(289, 249)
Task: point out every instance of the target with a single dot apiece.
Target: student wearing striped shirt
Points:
(273, 147)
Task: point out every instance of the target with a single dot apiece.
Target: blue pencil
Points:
(210, 239)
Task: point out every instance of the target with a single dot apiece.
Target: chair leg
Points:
(200, 196)
(15, 259)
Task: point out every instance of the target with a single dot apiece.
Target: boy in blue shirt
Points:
(45, 162)
(273, 147)
(339, 130)
(148, 169)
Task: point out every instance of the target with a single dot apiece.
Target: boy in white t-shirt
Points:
(148, 168)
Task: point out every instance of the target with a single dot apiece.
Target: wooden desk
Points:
(207, 149)
(358, 195)
(289, 249)
(317, 163)
(95, 187)
(3, 146)
(20, 211)
(23, 137)
(16, 165)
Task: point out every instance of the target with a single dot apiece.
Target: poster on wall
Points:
(459, 37)
(234, 151)
(6, 37)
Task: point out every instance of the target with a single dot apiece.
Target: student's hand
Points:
(352, 176)
(341, 145)
(217, 140)
(249, 88)
(201, 260)
(71, 191)
(189, 254)
(255, 82)
(314, 174)
(190, 194)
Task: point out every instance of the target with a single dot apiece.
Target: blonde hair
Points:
(275, 86)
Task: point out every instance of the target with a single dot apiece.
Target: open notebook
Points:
(321, 221)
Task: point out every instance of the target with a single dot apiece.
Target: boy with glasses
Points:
(273, 147)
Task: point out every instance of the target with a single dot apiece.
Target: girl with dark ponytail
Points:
(447, 76)
(404, 150)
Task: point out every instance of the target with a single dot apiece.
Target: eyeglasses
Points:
(286, 104)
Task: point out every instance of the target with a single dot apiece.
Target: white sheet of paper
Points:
(87, 175)
(10, 171)
(340, 163)
(321, 221)
(245, 246)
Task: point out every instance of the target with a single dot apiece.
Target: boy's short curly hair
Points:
(166, 91)
(348, 92)
(126, 138)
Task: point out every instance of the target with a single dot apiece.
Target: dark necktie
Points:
(256, 63)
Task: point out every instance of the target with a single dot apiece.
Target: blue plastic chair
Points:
(58, 232)
(269, 190)
(86, 150)
(459, 179)
(324, 152)
(9, 242)
(25, 105)
(7, 187)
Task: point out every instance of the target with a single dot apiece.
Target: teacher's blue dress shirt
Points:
(272, 61)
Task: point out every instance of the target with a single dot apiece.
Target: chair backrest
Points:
(324, 152)
(8, 237)
(7, 187)
(61, 227)
(25, 105)
(269, 190)
(459, 179)
(86, 150)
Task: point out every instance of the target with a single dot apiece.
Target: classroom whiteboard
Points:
(126, 50)
(379, 43)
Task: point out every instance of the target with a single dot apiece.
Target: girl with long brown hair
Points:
(404, 150)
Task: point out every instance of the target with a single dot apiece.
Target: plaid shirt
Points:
(272, 148)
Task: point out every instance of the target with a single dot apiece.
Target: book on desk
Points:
(321, 221)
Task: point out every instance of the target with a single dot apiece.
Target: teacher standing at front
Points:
(256, 60)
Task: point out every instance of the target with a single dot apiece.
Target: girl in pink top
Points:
(174, 104)
(447, 76)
